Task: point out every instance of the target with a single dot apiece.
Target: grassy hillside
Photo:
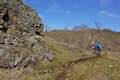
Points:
(73, 61)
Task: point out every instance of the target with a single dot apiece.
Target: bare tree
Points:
(99, 31)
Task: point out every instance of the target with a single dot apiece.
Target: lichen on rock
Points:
(21, 43)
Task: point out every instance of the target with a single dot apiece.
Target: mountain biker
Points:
(96, 46)
(93, 45)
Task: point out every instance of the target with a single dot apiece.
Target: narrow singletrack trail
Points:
(64, 71)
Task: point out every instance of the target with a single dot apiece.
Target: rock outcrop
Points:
(21, 36)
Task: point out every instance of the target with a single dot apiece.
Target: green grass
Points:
(89, 69)
(96, 67)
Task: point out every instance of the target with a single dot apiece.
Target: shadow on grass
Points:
(85, 59)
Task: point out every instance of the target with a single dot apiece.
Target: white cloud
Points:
(104, 2)
(68, 12)
(54, 8)
(108, 14)
(52, 0)
(54, 25)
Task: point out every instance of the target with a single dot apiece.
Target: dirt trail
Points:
(64, 71)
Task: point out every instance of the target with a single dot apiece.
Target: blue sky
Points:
(57, 14)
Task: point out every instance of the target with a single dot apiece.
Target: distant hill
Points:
(82, 38)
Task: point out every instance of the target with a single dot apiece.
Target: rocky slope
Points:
(21, 36)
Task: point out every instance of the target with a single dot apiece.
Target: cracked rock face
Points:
(21, 42)
(19, 17)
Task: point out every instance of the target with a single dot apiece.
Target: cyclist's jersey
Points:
(98, 46)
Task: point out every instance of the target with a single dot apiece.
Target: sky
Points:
(58, 14)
